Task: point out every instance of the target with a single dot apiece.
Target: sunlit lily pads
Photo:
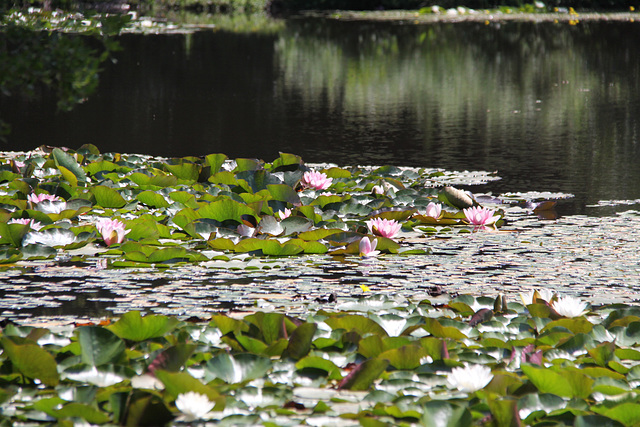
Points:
(208, 234)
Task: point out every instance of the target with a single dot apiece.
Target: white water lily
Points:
(570, 306)
(470, 378)
(194, 406)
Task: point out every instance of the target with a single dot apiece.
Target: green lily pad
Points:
(12, 234)
(225, 209)
(176, 383)
(107, 197)
(153, 199)
(361, 324)
(71, 410)
(99, 345)
(300, 341)
(239, 368)
(65, 162)
(268, 247)
(316, 362)
(362, 376)
(184, 170)
(132, 326)
(9, 255)
(405, 357)
(32, 361)
(440, 413)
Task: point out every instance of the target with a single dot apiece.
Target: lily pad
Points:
(132, 326)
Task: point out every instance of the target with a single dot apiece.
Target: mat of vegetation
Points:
(469, 361)
(134, 210)
(370, 361)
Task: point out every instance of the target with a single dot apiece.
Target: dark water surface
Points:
(551, 107)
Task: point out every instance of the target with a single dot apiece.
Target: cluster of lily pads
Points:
(469, 361)
(131, 210)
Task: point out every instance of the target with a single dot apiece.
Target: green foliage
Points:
(132, 326)
(238, 207)
(56, 50)
(31, 57)
(32, 361)
(258, 360)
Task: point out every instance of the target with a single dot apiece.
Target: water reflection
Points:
(552, 107)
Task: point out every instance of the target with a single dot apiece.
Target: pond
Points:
(550, 107)
(264, 301)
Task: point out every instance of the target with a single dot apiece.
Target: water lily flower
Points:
(47, 203)
(434, 210)
(384, 227)
(194, 406)
(32, 223)
(569, 306)
(316, 180)
(470, 378)
(367, 247)
(112, 230)
(284, 214)
(480, 216)
(37, 198)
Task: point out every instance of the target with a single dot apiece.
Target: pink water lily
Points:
(37, 198)
(480, 216)
(286, 213)
(367, 247)
(32, 223)
(112, 230)
(434, 210)
(384, 227)
(316, 180)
